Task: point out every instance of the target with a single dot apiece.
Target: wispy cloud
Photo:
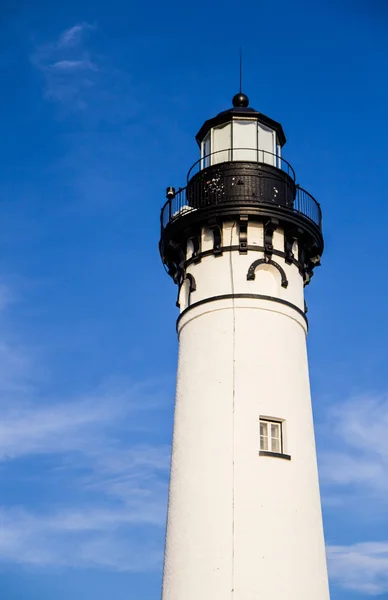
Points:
(78, 540)
(111, 485)
(97, 454)
(360, 567)
(358, 459)
(80, 79)
(354, 475)
(72, 65)
(68, 68)
(73, 36)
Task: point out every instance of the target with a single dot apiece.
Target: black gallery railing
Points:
(237, 155)
(244, 183)
(177, 206)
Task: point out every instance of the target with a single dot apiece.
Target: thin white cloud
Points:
(360, 567)
(69, 70)
(111, 485)
(97, 451)
(72, 65)
(85, 83)
(358, 460)
(73, 35)
(78, 540)
(354, 474)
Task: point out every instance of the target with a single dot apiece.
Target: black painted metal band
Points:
(275, 454)
(231, 296)
(200, 255)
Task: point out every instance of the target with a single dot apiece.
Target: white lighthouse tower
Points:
(241, 241)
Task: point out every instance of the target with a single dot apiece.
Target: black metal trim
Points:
(235, 113)
(265, 261)
(253, 296)
(290, 236)
(250, 248)
(217, 239)
(243, 234)
(261, 212)
(196, 241)
(177, 232)
(275, 454)
(207, 159)
(269, 227)
(193, 284)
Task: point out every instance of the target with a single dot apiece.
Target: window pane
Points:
(263, 435)
(245, 140)
(221, 144)
(267, 146)
(206, 151)
(275, 437)
(279, 156)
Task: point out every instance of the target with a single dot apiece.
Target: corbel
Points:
(196, 241)
(290, 236)
(192, 287)
(269, 228)
(217, 236)
(243, 234)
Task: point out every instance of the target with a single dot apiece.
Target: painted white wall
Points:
(243, 526)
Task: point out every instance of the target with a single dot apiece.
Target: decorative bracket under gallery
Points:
(266, 261)
(269, 228)
(192, 287)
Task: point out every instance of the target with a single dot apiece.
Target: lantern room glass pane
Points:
(221, 144)
(267, 145)
(205, 151)
(245, 140)
(279, 155)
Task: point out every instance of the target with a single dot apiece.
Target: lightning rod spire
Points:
(240, 70)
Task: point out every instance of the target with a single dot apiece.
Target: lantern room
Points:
(241, 134)
(240, 174)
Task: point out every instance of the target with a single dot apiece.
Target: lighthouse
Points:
(241, 241)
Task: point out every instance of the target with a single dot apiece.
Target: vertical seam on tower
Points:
(233, 396)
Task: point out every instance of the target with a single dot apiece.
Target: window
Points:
(279, 156)
(221, 144)
(245, 140)
(271, 436)
(267, 145)
(206, 151)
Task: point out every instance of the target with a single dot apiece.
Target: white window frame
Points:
(273, 444)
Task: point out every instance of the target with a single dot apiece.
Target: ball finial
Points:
(240, 100)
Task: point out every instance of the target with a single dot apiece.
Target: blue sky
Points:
(100, 102)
